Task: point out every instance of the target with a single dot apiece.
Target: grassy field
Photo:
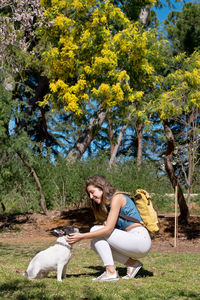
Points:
(164, 276)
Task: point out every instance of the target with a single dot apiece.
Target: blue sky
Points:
(163, 13)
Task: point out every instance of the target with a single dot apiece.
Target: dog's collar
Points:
(65, 245)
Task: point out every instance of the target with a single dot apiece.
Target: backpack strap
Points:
(129, 218)
(133, 198)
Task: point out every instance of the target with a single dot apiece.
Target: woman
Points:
(117, 239)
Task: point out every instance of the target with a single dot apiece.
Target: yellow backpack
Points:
(143, 202)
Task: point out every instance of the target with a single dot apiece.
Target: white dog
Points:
(53, 258)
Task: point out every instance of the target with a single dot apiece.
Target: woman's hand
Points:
(74, 237)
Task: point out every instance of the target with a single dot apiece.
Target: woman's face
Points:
(95, 193)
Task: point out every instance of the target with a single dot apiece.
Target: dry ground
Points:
(36, 226)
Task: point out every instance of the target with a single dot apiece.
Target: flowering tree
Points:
(19, 23)
(97, 56)
(96, 53)
(180, 101)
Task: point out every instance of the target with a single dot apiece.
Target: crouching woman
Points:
(117, 239)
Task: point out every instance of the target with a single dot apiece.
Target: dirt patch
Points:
(36, 227)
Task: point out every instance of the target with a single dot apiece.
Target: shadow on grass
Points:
(183, 294)
(122, 272)
(23, 290)
(26, 290)
(18, 251)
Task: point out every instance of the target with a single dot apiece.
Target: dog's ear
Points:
(70, 229)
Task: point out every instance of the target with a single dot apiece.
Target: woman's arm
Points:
(117, 202)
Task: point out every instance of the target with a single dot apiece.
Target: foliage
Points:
(94, 56)
(183, 28)
(95, 53)
(19, 21)
(178, 105)
(21, 67)
(5, 111)
(133, 8)
(64, 184)
(160, 279)
(25, 127)
(181, 87)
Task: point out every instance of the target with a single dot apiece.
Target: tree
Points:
(97, 57)
(178, 101)
(19, 53)
(183, 28)
(184, 31)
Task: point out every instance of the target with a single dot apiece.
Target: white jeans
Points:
(121, 245)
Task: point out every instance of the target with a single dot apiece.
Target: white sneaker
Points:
(107, 277)
(132, 271)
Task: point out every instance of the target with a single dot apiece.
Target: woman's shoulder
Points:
(118, 197)
(118, 194)
(121, 194)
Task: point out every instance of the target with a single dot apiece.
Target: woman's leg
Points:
(122, 245)
(102, 247)
(104, 251)
(133, 243)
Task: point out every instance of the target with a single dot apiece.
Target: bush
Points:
(63, 183)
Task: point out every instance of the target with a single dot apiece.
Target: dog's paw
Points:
(25, 274)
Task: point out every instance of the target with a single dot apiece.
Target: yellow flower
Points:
(53, 87)
(123, 76)
(62, 22)
(87, 70)
(140, 113)
(86, 35)
(139, 95)
(118, 93)
(103, 19)
(85, 97)
(77, 4)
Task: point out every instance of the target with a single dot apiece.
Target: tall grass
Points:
(64, 183)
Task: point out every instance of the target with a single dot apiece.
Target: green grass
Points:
(164, 276)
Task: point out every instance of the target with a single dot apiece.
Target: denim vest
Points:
(130, 210)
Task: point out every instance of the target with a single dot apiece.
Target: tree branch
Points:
(37, 181)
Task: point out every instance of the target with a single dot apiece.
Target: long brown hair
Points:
(100, 210)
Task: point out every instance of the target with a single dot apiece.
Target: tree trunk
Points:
(144, 13)
(45, 126)
(191, 153)
(120, 136)
(184, 212)
(3, 207)
(41, 91)
(86, 137)
(190, 175)
(37, 181)
(110, 132)
(139, 150)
